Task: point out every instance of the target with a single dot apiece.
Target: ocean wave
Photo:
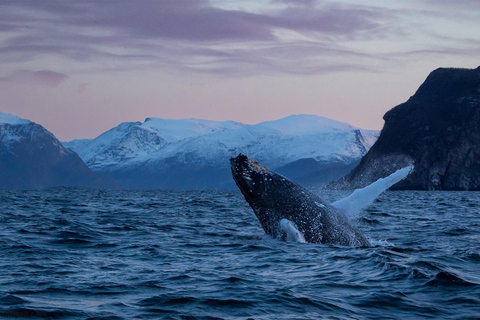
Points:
(203, 255)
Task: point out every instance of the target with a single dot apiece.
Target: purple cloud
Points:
(189, 34)
(457, 5)
(196, 36)
(190, 20)
(46, 78)
(306, 3)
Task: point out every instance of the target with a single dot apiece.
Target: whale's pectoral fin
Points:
(362, 198)
(291, 231)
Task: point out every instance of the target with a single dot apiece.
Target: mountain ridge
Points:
(151, 151)
(32, 158)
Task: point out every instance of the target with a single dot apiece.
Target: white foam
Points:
(380, 243)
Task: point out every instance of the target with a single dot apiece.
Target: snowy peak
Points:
(6, 118)
(14, 129)
(305, 124)
(135, 141)
(117, 145)
(174, 130)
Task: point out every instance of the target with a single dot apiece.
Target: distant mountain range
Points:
(194, 153)
(437, 130)
(178, 154)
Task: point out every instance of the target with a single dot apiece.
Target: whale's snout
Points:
(239, 163)
(248, 175)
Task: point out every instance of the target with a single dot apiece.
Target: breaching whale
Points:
(287, 210)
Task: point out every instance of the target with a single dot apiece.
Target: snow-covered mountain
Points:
(6, 118)
(194, 153)
(32, 158)
(136, 142)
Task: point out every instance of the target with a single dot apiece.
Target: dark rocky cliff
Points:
(32, 158)
(437, 130)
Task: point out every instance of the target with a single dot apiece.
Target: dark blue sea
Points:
(83, 254)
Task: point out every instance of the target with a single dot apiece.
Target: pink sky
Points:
(80, 68)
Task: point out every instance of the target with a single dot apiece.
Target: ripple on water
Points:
(91, 254)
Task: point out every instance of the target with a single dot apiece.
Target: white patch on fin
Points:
(319, 205)
(292, 232)
(362, 198)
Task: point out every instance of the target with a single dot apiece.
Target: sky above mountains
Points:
(82, 67)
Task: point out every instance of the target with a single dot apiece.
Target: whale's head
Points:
(250, 177)
(253, 180)
(271, 196)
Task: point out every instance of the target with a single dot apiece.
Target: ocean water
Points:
(83, 254)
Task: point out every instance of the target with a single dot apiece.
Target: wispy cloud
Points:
(458, 4)
(304, 37)
(46, 78)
